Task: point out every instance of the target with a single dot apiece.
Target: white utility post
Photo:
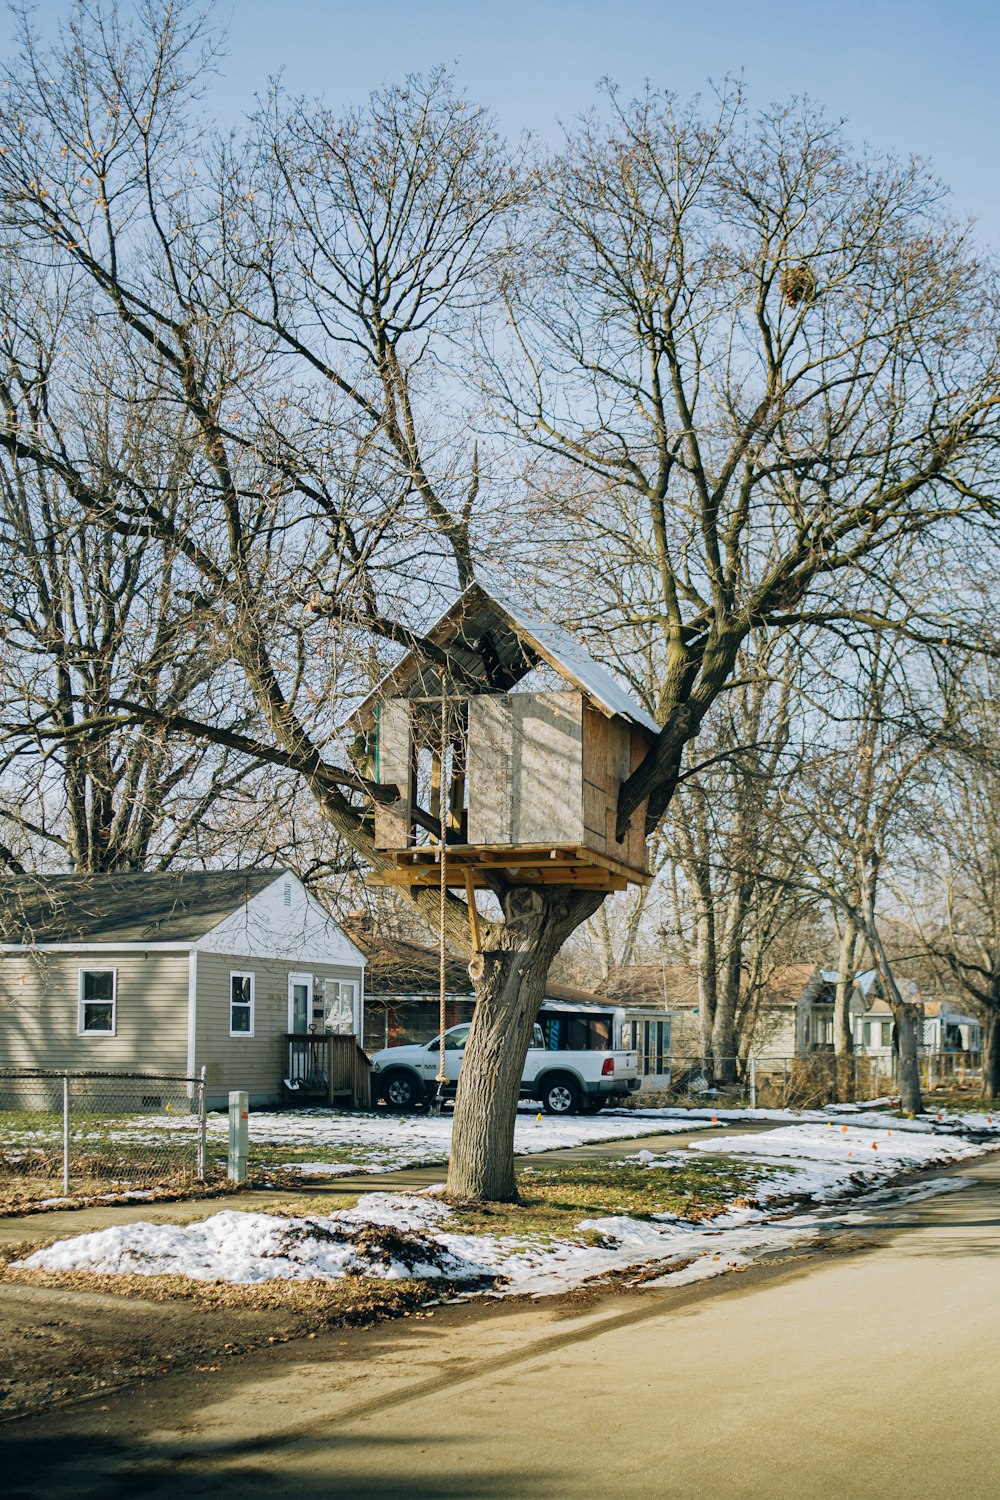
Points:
(239, 1135)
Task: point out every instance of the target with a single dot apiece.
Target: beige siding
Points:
(39, 1012)
(253, 1063)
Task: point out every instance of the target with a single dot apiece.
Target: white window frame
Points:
(310, 983)
(242, 974)
(80, 1002)
(328, 995)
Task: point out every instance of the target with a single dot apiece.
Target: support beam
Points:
(470, 896)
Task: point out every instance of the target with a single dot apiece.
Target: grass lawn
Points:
(555, 1199)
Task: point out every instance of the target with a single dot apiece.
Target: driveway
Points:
(866, 1374)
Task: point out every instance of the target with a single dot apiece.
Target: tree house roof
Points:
(485, 644)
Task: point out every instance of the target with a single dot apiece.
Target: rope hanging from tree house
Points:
(442, 905)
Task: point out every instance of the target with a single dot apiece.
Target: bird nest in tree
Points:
(798, 284)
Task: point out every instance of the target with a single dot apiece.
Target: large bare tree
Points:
(95, 613)
(780, 355)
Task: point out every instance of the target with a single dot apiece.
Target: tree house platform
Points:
(472, 865)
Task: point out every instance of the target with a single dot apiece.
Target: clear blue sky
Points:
(916, 75)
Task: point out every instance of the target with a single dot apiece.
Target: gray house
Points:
(172, 972)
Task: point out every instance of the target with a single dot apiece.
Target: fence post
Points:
(202, 1126)
(784, 1082)
(753, 1081)
(65, 1133)
(239, 1135)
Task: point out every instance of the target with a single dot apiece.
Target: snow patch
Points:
(392, 1235)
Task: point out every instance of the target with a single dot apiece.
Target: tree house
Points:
(527, 782)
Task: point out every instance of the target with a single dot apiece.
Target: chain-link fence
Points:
(801, 1082)
(80, 1134)
(770, 1082)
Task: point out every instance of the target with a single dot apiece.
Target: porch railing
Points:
(326, 1068)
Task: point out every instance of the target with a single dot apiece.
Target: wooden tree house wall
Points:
(531, 782)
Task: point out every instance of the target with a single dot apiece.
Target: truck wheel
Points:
(560, 1095)
(402, 1091)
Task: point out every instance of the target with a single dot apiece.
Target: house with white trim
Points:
(172, 972)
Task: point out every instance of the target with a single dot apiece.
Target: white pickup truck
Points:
(565, 1079)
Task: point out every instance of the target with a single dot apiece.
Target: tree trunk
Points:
(727, 1001)
(991, 1057)
(843, 1041)
(707, 990)
(510, 986)
(910, 1101)
(904, 1015)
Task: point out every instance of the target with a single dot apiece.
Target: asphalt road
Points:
(872, 1373)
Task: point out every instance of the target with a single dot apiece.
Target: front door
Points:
(300, 996)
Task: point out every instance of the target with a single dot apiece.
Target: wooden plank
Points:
(595, 775)
(585, 877)
(525, 858)
(395, 765)
(635, 847)
(456, 793)
(435, 803)
(489, 772)
(547, 767)
(617, 769)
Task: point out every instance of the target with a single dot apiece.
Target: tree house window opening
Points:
(440, 773)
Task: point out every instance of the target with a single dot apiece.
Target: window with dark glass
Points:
(97, 1002)
(241, 1005)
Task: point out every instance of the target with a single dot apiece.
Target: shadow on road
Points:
(323, 1466)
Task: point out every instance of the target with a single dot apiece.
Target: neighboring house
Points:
(171, 973)
(673, 987)
(402, 1002)
(944, 1026)
(815, 1010)
(947, 1028)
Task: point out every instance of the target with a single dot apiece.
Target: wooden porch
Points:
(325, 1069)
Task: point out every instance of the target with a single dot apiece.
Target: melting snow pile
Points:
(833, 1160)
(409, 1235)
(942, 1122)
(386, 1235)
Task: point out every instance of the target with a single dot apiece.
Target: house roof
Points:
(398, 966)
(666, 986)
(153, 907)
(491, 643)
(950, 1012)
(675, 986)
